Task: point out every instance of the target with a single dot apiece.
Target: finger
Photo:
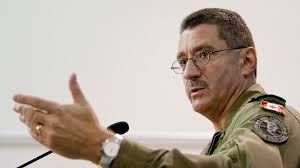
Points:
(77, 94)
(37, 102)
(32, 116)
(22, 118)
(17, 108)
(38, 137)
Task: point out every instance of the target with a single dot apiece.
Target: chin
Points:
(199, 106)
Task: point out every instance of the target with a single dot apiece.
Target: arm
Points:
(240, 148)
(73, 131)
(247, 151)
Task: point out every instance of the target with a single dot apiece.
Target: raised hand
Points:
(71, 130)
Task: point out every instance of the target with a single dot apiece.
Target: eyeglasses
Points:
(200, 58)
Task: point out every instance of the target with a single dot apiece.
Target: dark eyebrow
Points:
(179, 55)
(203, 47)
(197, 48)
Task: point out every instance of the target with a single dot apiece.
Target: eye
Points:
(182, 62)
(201, 55)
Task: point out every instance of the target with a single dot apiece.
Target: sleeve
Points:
(240, 153)
(134, 155)
(242, 149)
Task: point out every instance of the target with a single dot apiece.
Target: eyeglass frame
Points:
(209, 53)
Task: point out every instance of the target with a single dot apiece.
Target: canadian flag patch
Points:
(272, 106)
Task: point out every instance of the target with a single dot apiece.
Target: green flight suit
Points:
(247, 140)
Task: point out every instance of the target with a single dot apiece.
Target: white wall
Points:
(122, 52)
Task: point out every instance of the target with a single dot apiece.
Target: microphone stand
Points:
(35, 159)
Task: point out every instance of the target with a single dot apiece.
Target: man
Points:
(217, 60)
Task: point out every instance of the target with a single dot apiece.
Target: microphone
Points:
(119, 127)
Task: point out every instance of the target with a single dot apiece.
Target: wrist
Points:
(109, 150)
(96, 153)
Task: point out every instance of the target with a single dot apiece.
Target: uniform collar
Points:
(253, 91)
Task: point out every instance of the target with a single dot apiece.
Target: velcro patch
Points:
(270, 129)
(273, 107)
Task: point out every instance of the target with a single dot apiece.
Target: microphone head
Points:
(119, 127)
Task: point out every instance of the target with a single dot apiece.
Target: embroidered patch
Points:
(270, 129)
(273, 107)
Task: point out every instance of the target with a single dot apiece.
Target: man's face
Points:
(211, 86)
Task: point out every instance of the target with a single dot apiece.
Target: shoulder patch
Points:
(270, 129)
(277, 108)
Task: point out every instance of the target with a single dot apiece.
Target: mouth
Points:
(196, 91)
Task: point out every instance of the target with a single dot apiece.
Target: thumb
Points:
(77, 94)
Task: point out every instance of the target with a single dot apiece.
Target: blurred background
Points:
(122, 52)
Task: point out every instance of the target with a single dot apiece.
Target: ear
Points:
(248, 61)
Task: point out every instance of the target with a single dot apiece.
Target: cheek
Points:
(221, 78)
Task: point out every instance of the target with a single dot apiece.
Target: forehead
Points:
(201, 36)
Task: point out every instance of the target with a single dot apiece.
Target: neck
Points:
(223, 116)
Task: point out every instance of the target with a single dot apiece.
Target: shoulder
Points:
(262, 105)
(268, 117)
(293, 113)
(272, 105)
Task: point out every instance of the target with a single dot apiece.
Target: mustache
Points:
(197, 83)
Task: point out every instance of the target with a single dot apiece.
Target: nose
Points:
(191, 71)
